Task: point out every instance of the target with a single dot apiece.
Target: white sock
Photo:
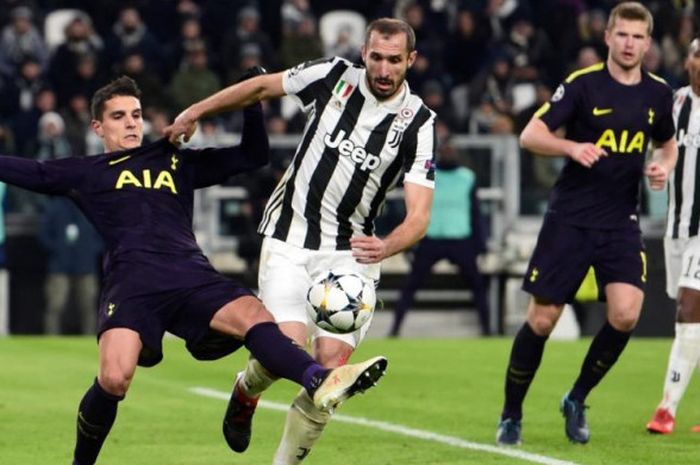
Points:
(302, 429)
(685, 354)
(256, 378)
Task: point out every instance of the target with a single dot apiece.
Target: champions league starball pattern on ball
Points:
(341, 302)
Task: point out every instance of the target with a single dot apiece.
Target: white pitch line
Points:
(405, 431)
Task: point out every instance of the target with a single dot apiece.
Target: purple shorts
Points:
(564, 253)
(178, 294)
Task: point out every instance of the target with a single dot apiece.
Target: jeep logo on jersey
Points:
(347, 148)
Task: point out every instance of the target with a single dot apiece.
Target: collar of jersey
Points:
(393, 104)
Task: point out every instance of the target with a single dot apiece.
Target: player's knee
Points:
(238, 316)
(542, 325)
(688, 306)
(115, 381)
(624, 321)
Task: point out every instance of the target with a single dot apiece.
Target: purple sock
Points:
(282, 357)
(96, 415)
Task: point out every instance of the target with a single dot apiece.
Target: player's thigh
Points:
(342, 262)
(620, 257)
(559, 262)
(283, 280)
(624, 305)
(688, 270)
(673, 259)
(119, 355)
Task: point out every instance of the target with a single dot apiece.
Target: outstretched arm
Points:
(56, 177)
(231, 98)
(371, 249)
(214, 166)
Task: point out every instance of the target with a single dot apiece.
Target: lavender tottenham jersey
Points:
(620, 119)
(139, 200)
(354, 149)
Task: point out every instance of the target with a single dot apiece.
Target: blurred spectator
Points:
(587, 56)
(674, 45)
(467, 47)
(530, 49)
(194, 80)
(591, 28)
(343, 45)
(455, 233)
(77, 119)
(157, 120)
(247, 32)
(25, 124)
(300, 43)
(80, 40)
(20, 40)
(74, 248)
(4, 284)
(7, 140)
(131, 33)
(153, 93)
(19, 92)
(427, 38)
(433, 96)
(495, 85)
(52, 143)
(86, 80)
(190, 33)
(294, 12)
(499, 13)
(653, 62)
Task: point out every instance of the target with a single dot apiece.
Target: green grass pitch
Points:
(451, 389)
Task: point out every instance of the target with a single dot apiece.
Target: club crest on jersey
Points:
(397, 130)
(347, 148)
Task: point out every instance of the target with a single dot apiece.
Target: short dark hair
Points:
(122, 86)
(390, 27)
(631, 11)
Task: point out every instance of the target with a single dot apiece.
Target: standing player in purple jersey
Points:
(156, 278)
(611, 111)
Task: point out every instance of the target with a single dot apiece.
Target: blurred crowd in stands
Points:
(484, 66)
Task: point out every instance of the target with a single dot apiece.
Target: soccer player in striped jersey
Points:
(365, 132)
(682, 247)
(156, 278)
(611, 111)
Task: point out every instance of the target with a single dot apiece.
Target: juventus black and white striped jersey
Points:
(354, 149)
(683, 193)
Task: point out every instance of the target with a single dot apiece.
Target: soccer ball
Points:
(340, 302)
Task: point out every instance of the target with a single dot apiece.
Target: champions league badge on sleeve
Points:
(558, 94)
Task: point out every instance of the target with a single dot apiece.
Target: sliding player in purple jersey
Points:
(611, 111)
(156, 278)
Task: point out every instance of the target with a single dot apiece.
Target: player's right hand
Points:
(587, 154)
(182, 128)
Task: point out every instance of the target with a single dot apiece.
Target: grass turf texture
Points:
(450, 387)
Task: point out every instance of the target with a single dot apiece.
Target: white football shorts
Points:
(682, 258)
(286, 274)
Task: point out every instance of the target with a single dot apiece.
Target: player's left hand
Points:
(182, 128)
(368, 249)
(657, 174)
